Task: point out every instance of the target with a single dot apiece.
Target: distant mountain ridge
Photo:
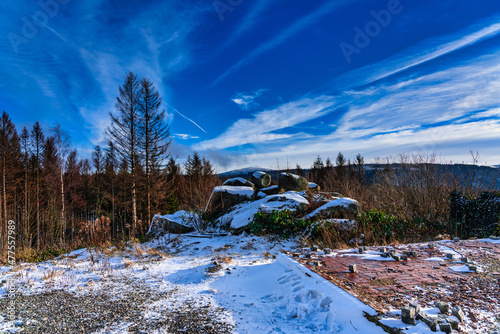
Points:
(245, 171)
(487, 174)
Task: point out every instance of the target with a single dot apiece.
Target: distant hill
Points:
(486, 175)
(244, 171)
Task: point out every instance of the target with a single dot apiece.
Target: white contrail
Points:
(189, 119)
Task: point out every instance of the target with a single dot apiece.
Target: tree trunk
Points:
(37, 207)
(26, 220)
(63, 218)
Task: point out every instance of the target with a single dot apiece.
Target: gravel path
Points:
(62, 312)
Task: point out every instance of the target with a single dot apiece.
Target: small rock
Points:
(445, 328)
(314, 248)
(408, 315)
(396, 257)
(431, 322)
(382, 250)
(441, 319)
(431, 245)
(361, 250)
(413, 254)
(443, 307)
(415, 306)
(384, 254)
(449, 256)
(352, 268)
(456, 239)
(327, 250)
(457, 312)
(307, 255)
(453, 322)
(404, 257)
(472, 268)
(317, 263)
(464, 259)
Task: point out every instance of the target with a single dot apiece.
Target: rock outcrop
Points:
(292, 182)
(178, 223)
(337, 208)
(261, 179)
(235, 203)
(225, 197)
(238, 182)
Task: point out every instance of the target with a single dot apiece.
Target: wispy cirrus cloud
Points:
(250, 20)
(426, 51)
(297, 27)
(184, 136)
(259, 129)
(246, 100)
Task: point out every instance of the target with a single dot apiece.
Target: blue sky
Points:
(265, 82)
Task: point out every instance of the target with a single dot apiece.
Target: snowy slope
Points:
(257, 289)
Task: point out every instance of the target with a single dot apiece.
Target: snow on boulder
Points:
(272, 190)
(313, 186)
(239, 182)
(337, 208)
(225, 197)
(260, 195)
(289, 181)
(261, 179)
(242, 214)
(178, 223)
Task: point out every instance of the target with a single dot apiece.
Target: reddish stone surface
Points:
(386, 285)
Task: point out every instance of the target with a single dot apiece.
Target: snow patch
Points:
(236, 190)
(344, 202)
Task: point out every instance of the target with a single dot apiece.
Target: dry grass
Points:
(224, 259)
(51, 274)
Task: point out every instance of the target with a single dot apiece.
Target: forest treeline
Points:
(58, 199)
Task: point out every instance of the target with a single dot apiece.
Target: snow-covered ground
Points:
(244, 282)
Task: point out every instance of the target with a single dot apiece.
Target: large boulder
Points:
(289, 181)
(337, 208)
(178, 223)
(225, 197)
(261, 179)
(238, 182)
(272, 190)
(242, 214)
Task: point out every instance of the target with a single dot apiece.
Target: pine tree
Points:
(25, 138)
(124, 132)
(360, 169)
(110, 172)
(98, 163)
(340, 171)
(37, 140)
(317, 171)
(9, 155)
(62, 143)
(74, 189)
(154, 135)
